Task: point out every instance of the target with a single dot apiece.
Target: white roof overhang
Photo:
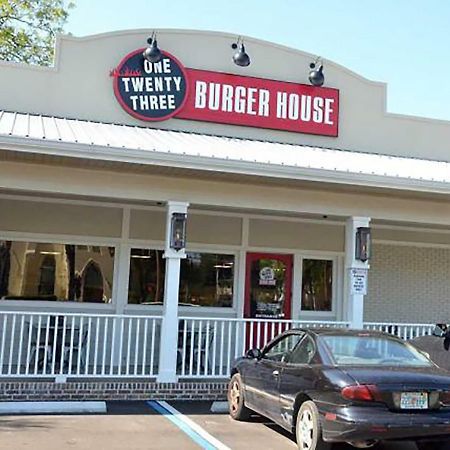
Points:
(61, 137)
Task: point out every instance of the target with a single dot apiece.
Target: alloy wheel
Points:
(235, 396)
(306, 430)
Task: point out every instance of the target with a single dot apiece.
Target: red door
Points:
(267, 296)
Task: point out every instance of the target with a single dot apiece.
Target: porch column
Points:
(169, 329)
(356, 273)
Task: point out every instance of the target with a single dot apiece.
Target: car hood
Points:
(434, 377)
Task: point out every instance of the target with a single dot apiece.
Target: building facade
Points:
(275, 177)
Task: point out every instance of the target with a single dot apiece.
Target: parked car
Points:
(436, 346)
(331, 385)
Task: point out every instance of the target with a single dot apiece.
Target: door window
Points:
(303, 353)
(268, 293)
(280, 349)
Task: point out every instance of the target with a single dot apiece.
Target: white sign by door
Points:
(359, 281)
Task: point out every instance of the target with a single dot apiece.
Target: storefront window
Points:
(56, 272)
(147, 269)
(206, 279)
(317, 285)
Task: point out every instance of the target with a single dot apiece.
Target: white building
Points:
(276, 177)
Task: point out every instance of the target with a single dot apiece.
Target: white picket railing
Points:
(35, 344)
(207, 347)
(402, 330)
(78, 345)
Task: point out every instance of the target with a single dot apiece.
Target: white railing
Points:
(402, 330)
(207, 347)
(78, 345)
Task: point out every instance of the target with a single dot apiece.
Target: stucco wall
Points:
(408, 284)
(80, 87)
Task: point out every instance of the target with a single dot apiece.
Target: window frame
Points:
(70, 240)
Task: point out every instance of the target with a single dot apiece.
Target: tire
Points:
(236, 402)
(308, 430)
(433, 445)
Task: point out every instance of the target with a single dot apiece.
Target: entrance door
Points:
(267, 295)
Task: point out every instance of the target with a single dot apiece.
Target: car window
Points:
(303, 353)
(279, 350)
(373, 350)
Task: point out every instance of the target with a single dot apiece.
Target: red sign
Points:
(158, 91)
(257, 102)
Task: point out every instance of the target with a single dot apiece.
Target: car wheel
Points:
(236, 403)
(308, 429)
(433, 445)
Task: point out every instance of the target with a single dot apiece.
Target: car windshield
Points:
(369, 350)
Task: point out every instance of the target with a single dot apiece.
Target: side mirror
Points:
(254, 353)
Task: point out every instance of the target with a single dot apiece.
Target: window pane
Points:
(147, 269)
(281, 349)
(317, 285)
(56, 272)
(206, 279)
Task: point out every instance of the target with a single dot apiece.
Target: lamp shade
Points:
(153, 53)
(316, 77)
(241, 57)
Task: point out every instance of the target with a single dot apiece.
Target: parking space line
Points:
(193, 430)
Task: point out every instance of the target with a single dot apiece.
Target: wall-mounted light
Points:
(240, 58)
(316, 76)
(152, 54)
(363, 244)
(178, 231)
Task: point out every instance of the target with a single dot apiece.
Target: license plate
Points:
(414, 400)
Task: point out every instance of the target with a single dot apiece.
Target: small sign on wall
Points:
(359, 281)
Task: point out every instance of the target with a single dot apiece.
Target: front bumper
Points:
(358, 423)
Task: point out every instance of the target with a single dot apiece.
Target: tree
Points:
(28, 28)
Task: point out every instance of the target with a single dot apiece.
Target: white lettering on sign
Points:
(232, 99)
(359, 281)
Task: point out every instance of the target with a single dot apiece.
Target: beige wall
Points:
(408, 284)
(80, 87)
(59, 218)
(148, 224)
(296, 235)
(207, 229)
(405, 235)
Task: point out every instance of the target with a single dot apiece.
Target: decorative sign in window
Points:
(159, 91)
(267, 277)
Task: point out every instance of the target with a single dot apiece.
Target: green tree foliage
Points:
(28, 28)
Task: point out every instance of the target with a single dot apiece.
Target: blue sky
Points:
(404, 43)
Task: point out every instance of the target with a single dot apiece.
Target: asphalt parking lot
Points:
(138, 426)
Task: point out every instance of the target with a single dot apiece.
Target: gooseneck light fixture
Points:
(316, 77)
(153, 53)
(240, 58)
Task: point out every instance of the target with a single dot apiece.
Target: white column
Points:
(169, 327)
(354, 301)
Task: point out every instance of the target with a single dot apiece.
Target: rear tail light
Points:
(362, 392)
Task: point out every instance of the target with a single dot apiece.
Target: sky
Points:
(405, 43)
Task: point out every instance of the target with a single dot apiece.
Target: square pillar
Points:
(169, 329)
(356, 273)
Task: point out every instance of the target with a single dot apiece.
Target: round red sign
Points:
(150, 91)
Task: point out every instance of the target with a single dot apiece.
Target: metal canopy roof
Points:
(83, 139)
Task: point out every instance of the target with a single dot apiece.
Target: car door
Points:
(264, 383)
(299, 375)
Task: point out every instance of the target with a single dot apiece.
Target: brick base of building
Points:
(111, 390)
